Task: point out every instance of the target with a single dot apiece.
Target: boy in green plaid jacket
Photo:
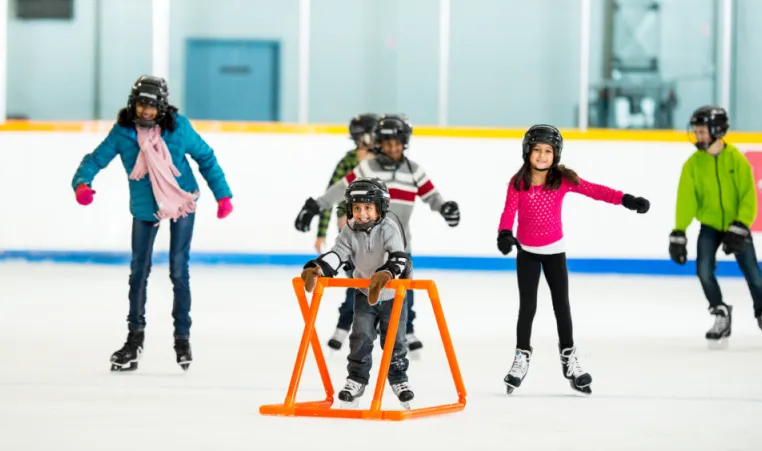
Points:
(361, 131)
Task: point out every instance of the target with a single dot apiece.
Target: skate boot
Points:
(404, 393)
(338, 339)
(414, 346)
(719, 333)
(126, 359)
(350, 393)
(578, 378)
(518, 370)
(184, 354)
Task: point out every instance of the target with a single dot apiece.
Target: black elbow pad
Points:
(399, 265)
(325, 268)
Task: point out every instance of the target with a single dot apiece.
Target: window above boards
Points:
(43, 9)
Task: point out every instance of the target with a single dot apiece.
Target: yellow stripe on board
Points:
(333, 129)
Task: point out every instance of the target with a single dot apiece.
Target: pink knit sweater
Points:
(540, 210)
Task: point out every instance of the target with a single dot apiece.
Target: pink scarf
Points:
(154, 160)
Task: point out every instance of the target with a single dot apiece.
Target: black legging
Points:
(528, 267)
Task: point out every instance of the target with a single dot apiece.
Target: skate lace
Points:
(352, 386)
(573, 368)
(720, 323)
(399, 388)
(519, 363)
(131, 345)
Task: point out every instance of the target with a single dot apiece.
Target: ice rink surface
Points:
(656, 385)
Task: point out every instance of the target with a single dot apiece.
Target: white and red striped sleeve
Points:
(426, 189)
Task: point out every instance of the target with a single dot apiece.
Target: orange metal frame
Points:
(309, 337)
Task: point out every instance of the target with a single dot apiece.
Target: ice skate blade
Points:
(415, 355)
(349, 404)
(510, 388)
(718, 345)
(405, 405)
(184, 365)
(132, 366)
(586, 390)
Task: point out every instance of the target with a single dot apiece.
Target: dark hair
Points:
(522, 180)
(126, 118)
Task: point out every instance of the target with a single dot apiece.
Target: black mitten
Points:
(736, 239)
(451, 213)
(639, 204)
(506, 241)
(309, 210)
(677, 247)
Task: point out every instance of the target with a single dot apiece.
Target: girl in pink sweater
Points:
(536, 193)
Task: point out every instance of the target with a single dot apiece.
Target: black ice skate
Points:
(578, 378)
(518, 370)
(414, 346)
(404, 393)
(126, 359)
(184, 354)
(337, 340)
(719, 333)
(349, 394)
(759, 321)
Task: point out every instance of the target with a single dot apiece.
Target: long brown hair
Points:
(522, 180)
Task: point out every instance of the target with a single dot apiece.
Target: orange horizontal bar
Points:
(310, 409)
(341, 282)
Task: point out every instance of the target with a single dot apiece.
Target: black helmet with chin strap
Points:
(394, 127)
(153, 91)
(715, 119)
(371, 190)
(543, 133)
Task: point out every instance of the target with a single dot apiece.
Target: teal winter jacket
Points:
(183, 140)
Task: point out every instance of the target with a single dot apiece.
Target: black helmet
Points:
(362, 126)
(370, 190)
(543, 133)
(394, 126)
(715, 118)
(152, 91)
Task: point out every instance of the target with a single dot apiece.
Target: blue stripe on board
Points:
(453, 263)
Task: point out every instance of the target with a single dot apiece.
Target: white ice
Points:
(656, 385)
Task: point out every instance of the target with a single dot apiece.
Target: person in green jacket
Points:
(717, 188)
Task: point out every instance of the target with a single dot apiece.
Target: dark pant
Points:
(709, 241)
(346, 310)
(528, 267)
(364, 334)
(143, 237)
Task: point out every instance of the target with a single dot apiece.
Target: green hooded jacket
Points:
(716, 190)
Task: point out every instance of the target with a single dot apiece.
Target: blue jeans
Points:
(363, 336)
(143, 237)
(346, 310)
(709, 241)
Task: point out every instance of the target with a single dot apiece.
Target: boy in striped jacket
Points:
(406, 181)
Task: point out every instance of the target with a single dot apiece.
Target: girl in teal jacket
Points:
(152, 141)
(717, 188)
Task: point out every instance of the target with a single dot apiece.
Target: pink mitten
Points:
(224, 207)
(84, 194)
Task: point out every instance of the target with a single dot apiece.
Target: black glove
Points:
(506, 241)
(736, 239)
(451, 213)
(677, 250)
(309, 210)
(639, 204)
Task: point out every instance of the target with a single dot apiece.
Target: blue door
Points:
(232, 80)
